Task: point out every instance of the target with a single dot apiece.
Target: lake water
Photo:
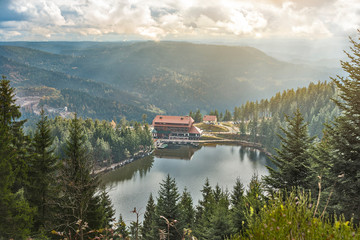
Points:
(131, 185)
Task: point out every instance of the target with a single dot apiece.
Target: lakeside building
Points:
(209, 119)
(175, 127)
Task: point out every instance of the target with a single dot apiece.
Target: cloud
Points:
(154, 19)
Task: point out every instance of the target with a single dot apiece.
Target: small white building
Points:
(209, 119)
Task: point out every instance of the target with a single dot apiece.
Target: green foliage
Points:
(238, 209)
(314, 103)
(77, 185)
(254, 199)
(344, 138)
(168, 207)
(16, 216)
(88, 105)
(293, 163)
(187, 209)
(106, 143)
(198, 116)
(42, 192)
(149, 230)
(293, 218)
(204, 211)
(121, 229)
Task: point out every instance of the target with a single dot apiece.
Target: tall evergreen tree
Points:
(254, 199)
(42, 191)
(293, 163)
(204, 212)
(187, 209)
(168, 207)
(78, 186)
(238, 206)
(198, 116)
(9, 110)
(15, 213)
(345, 137)
(148, 230)
(9, 114)
(121, 229)
(220, 221)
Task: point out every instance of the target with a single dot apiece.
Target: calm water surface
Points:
(131, 185)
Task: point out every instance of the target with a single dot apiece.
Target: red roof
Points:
(195, 130)
(173, 119)
(209, 118)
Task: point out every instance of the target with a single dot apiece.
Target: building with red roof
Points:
(175, 127)
(209, 119)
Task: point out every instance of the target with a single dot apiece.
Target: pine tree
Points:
(121, 229)
(9, 109)
(187, 209)
(6, 178)
(42, 191)
(293, 163)
(78, 186)
(204, 212)
(168, 207)
(100, 212)
(198, 116)
(254, 200)
(238, 206)
(242, 127)
(220, 220)
(345, 138)
(148, 230)
(9, 113)
(15, 213)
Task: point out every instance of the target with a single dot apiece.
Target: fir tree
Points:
(238, 206)
(78, 186)
(198, 116)
(293, 163)
(121, 229)
(168, 207)
(345, 138)
(220, 220)
(42, 190)
(9, 110)
(254, 200)
(15, 213)
(148, 230)
(101, 212)
(204, 212)
(187, 209)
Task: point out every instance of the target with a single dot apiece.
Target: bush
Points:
(293, 218)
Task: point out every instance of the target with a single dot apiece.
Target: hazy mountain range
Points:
(150, 77)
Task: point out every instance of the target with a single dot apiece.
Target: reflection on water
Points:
(131, 185)
(184, 152)
(127, 172)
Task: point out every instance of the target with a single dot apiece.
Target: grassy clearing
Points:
(207, 137)
(211, 128)
(227, 124)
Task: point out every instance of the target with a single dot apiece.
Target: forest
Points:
(312, 192)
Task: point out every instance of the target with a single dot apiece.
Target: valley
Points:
(133, 78)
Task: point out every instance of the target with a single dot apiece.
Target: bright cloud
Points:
(158, 19)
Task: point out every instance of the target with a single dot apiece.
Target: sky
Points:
(243, 21)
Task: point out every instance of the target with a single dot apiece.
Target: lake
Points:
(131, 185)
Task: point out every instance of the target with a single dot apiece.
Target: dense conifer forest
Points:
(48, 191)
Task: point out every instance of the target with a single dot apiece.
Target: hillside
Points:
(172, 76)
(85, 96)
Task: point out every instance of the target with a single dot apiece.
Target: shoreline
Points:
(237, 142)
(122, 163)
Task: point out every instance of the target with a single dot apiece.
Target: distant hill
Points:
(173, 76)
(87, 97)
